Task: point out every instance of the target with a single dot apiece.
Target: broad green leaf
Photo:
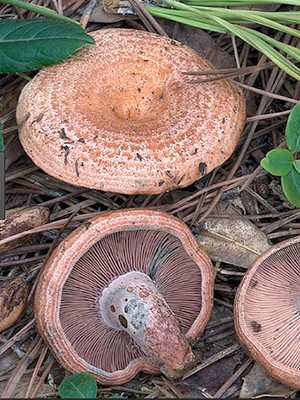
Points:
(296, 165)
(292, 130)
(291, 187)
(78, 386)
(31, 44)
(278, 162)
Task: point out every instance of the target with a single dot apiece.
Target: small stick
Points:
(36, 370)
(20, 353)
(232, 379)
(213, 359)
(16, 337)
(84, 20)
(42, 378)
(173, 388)
(149, 21)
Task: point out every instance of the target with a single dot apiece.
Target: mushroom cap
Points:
(67, 299)
(267, 311)
(125, 119)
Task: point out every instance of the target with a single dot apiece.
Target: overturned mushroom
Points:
(125, 294)
(267, 311)
(125, 119)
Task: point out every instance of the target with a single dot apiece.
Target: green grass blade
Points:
(286, 48)
(279, 16)
(204, 18)
(232, 3)
(184, 17)
(249, 37)
(45, 12)
(245, 16)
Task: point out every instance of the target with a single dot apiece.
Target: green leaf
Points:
(278, 162)
(78, 386)
(36, 43)
(292, 130)
(291, 187)
(296, 165)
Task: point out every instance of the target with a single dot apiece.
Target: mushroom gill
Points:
(267, 311)
(157, 253)
(125, 295)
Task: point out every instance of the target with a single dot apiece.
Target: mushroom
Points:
(267, 311)
(125, 119)
(125, 294)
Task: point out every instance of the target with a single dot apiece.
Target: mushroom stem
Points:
(133, 304)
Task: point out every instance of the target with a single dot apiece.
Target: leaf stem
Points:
(24, 76)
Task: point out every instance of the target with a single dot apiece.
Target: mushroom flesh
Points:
(126, 294)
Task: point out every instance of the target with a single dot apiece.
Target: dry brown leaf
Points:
(259, 384)
(198, 40)
(19, 220)
(233, 240)
(45, 391)
(8, 361)
(13, 298)
(99, 15)
(13, 149)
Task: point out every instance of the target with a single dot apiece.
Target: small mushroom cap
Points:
(67, 299)
(125, 119)
(267, 311)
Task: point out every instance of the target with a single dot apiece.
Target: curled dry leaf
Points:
(232, 240)
(108, 16)
(20, 220)
(258, 384)
(13, 299)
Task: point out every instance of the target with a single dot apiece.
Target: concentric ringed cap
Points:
(124, 118)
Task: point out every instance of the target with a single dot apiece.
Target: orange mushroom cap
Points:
(124, 295)
(125, 119)
(267, 311)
